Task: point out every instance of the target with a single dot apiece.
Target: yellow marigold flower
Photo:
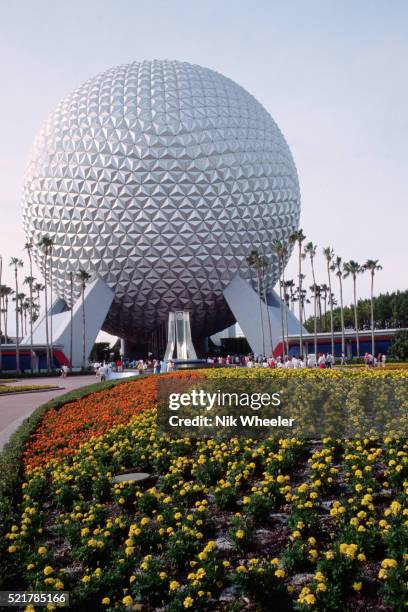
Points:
(106, 601)
(145, 521)
(174, 585)
(132, 579)
(240, 534)
(348, 550)
(188, 602)
(357, 586)
(275, 561)
(86, 579)
(162, 575)
(241, 569)
(321, 587)
(127, 600)
(47, 571)
(361, 557)
(226, 563)
(280, 573)
(386, 563)
(12, 549)
(42, 550)
(30, 566)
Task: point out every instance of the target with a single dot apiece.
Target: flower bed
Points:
(4, 389)
(61, 432)
(222, 524)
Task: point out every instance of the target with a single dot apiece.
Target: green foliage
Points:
(100, 352)
(399, 345)
(4, 390)
(390, 310)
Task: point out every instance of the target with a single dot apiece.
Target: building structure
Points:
(158, 178)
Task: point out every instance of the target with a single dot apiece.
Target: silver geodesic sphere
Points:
(160, 177)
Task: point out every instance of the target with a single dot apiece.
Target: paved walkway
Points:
(15, 408)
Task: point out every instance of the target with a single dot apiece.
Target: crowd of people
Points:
(371, 361)
(159, 366)
(286, 361)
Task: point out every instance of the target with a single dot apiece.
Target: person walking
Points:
(103, 372)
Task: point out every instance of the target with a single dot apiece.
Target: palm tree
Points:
(329, 255)
(324, 290)
(289, 292)
(281, 251)
(253, 260)
(45, 244)
(352, 268)
(310, 251)
(336, 266)
(19, 300)
(83, 277)
(51, 244)
(71, 316)
(26, 308)
(372, 266)
(264, 264)
(38, 287)
(16, 264)
(298, 237)
(30, 281)
(302, 298)
(4, 296)
(319, 306)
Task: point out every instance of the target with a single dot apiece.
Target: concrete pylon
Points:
(246, 307)
(97, 301)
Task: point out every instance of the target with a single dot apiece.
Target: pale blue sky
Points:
(332, 74)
